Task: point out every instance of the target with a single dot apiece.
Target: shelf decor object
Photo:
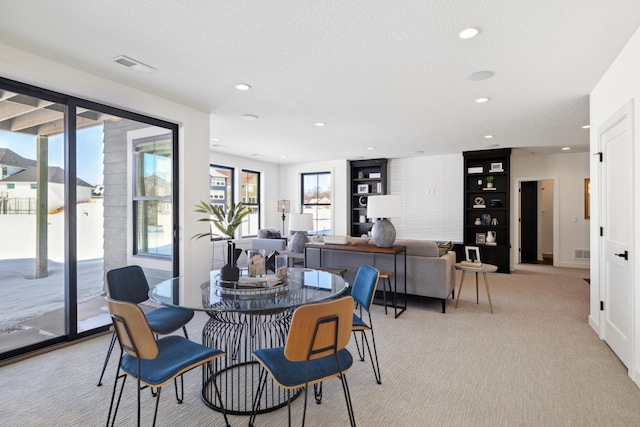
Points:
(383, 207)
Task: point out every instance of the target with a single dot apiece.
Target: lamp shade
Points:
(284, 206)
(300, 222)
(384, 206)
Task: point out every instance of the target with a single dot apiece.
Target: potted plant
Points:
(227, 224)
(490, 181)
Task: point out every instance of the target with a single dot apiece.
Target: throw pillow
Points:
(269, 233)
(445, 247)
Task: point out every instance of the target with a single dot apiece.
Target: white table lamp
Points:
(383, 207)
(300, 224)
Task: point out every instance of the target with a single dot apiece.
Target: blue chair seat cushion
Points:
(294, 374)
(359, 324)
(165, 320)
(176, 354)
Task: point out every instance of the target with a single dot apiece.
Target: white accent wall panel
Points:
(431, 189)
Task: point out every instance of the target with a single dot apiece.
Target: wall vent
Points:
(582, 253)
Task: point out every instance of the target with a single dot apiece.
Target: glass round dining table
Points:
(252, 313)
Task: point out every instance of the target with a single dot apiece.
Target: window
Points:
(34, 186)
(152, 196)
(221, 185)
(316, 200)
(11, 186)
(251, 199)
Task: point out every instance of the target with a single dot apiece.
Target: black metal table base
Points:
(236, 374)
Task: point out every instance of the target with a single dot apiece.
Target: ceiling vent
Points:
(133, 64)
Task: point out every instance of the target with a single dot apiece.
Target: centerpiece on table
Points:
(226, 224)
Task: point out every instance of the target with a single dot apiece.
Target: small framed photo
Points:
(472, 253)
(363, 188)
(480, 238)
(496, 167)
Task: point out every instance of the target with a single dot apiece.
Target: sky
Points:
(90, 153)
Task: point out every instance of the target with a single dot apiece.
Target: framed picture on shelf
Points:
(480, 238)
(472, 253)
(363, 188)
(496, 167)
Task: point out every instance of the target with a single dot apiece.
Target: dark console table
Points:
(318, 255)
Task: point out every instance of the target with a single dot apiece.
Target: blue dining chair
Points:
(363, 292)
(130, 284)
(154, 363)
(314, 352)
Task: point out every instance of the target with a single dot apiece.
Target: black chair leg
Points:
(317, 391)
(106, 359)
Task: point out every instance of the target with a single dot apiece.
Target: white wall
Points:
(568, 172)
(194, 136)
(619, 85)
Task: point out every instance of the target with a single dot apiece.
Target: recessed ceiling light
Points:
(468, 33)
(243, 86)
(483, 99)
(320, 124)
(371, 148)
(566, 148)
(215, 139)
(418, 152)
(481, 75)
(489, 136)
(249, 117)
(284, 157)
(586, 126)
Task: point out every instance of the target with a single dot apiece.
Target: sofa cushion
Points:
(269, 233)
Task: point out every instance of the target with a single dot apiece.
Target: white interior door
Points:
(616, 211)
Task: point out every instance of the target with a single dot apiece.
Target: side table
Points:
(484, 269)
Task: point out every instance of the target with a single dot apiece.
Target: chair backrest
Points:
(319, 329)
(364, 285)
(128, 284)
(132, 328)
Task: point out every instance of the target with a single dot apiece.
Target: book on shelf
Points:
(490, 243)
(489, 189)
(479, 206)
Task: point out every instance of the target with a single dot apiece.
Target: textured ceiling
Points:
(388, 74)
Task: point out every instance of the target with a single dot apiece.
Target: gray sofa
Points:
(429, 273)
(270, 241)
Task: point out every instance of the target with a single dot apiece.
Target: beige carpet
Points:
(534, 362)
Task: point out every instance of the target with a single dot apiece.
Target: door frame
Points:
(556, 213)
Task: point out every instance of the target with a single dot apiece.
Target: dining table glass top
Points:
(263, 294)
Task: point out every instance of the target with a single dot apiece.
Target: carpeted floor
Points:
(534, 362)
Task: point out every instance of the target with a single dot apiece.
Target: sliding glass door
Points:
(77, 198)
(32, 225)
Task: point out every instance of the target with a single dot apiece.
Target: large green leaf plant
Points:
(226, 223)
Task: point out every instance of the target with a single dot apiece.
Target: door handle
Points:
(624, 255)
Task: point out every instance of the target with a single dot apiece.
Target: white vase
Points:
(491, 237)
